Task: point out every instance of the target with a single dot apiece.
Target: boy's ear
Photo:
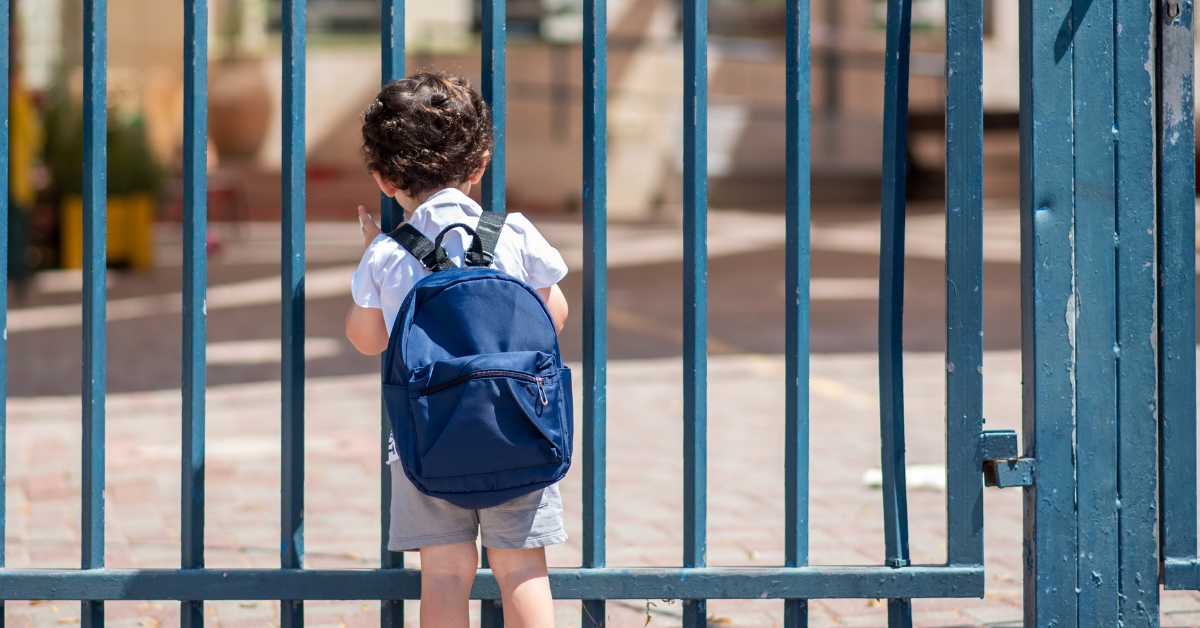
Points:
(477, 176)
(387, 188)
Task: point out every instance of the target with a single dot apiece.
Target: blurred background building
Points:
(746, 137)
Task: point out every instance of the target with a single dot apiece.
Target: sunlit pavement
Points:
(746, 298)
(645, 424)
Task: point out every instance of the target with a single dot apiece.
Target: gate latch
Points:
(1002, 465)
(1173, 10)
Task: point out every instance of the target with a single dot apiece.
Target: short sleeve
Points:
(543, 263)
(364, 287)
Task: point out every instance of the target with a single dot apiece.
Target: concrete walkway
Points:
(644, 489)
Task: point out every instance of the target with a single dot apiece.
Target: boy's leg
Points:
(524, 587)
(447, 572)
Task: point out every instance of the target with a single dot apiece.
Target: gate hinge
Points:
(1002, 466)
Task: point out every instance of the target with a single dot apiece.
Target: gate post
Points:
(1047, 317)
(1088, 311)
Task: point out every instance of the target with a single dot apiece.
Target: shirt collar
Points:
(448, 196)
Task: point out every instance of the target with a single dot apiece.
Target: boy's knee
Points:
(457, 561)
(519, 564)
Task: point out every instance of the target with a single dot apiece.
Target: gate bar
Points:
(195, 280)
(95, 186)
(925, 581)
(391, 612)
(595, 294)
(291, 611)
(1177, 298)
(493, 68)
(964, 282)
(695, 297)
(1136, 279)
(796, 308)
(5, 60)
(891, 297)
(1047, 320)
(1095, 326)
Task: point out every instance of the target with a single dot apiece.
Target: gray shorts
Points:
(418, 520)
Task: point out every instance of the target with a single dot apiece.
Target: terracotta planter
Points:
(239, 108)
(130, 231)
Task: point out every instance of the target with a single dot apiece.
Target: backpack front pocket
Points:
(486, 414)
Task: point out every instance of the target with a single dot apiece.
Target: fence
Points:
(1098, 140)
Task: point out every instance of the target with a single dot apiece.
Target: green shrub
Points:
(132, 166)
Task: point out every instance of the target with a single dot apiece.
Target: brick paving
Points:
(644, 489)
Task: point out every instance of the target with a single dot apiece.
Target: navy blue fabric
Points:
(479, 399)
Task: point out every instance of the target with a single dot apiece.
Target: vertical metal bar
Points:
(5, 94)
(292, 306)
(1095, 314)
(891, 298)
(1177, 287)
(964, 281)
(891, 295)
(95, 125)
(493, 67)
(391, 612)
(595, 295)
(1048, 311)
(195, 269)
(695, 296)
(1137, 373)
(796, 308)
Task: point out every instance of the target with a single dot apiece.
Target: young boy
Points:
(427, 139)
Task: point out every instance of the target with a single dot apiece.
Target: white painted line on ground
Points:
(318, 284)
(843, 288)
(267, 351)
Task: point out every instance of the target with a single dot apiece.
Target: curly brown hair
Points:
(427, 132)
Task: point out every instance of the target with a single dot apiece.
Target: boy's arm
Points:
(366, 330)
(556, 303)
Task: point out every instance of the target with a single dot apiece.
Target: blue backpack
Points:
(478, 396)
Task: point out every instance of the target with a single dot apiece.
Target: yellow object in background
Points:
(25, 143)
(130, 231)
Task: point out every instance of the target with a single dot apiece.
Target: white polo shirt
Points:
(387, 272)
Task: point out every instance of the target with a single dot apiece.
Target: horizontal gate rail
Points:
(397, 584)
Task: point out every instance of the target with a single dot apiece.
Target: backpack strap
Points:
(432, 256)
(487, 234)
(484, 238)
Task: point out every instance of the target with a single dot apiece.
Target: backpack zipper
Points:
(525, 377)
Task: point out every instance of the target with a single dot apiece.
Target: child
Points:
(427, 139)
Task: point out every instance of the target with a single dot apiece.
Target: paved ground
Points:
(746, 296)
(644, 526)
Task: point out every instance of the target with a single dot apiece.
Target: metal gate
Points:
(1108, 267)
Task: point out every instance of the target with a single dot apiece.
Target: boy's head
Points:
(427, 132)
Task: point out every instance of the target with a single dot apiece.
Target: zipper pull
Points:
(542, 392)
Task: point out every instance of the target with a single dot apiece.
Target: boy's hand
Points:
(370, 230)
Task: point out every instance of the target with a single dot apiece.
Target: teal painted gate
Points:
(1109, 318)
